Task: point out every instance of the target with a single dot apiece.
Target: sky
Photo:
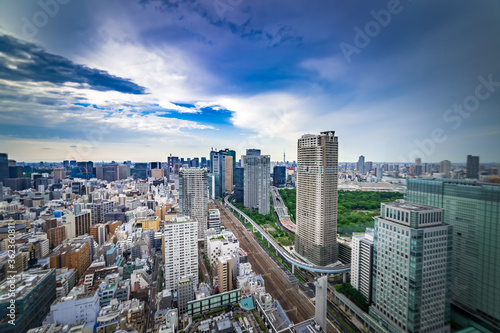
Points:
(142, 79)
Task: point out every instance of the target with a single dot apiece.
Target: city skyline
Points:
(148, 74)
(238, 158)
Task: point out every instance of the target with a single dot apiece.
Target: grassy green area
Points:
(257, 319)
(356, 209)
(354, 295)
(209, 313)
(288, 196)
(281, 236)
(207, 265)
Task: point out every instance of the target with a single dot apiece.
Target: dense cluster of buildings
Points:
(107, 247)
(90, 247)
(374, 172)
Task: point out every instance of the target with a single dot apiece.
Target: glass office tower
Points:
(473, 209)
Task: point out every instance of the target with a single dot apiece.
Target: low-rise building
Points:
(78, 307)
(34, 293)
(223, 244)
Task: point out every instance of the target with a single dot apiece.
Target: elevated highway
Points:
(283, 253)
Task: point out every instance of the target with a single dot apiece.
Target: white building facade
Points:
(362, 262)
(77, 307)
(223, 244)
(180, 251)
(411, 271)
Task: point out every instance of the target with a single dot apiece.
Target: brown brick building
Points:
(56, 236)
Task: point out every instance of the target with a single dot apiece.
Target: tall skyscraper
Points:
(172, 160)
(256, 193)
(239, 184)
(368, 166)
(141, 171)
(180, 251)
(473, 209)
(445, 168)
(4, 166)
(218, 169)
(316, 216)
(418, 166)
(85, 170)
(155, 165)
(362, 263)
(279, 175)
(193, 200)
(110, 172)
(361, 165)
(253, 152)
(123, 171)
(228, 173)
(411, 268)
(472, 167)
(59, 173)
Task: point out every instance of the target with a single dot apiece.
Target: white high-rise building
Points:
(316, 215)
(180, 251)
(411, 268)
(257, 187)
(362, 262)
(445, 168)
(193, 197)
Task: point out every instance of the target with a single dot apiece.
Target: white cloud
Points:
(168, 73)
(330, 68)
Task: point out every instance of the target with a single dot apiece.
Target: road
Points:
(282, 211)
(150, 316)
(293, 301)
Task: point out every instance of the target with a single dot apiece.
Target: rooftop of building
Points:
(308, 326)
(4, 226)
(24, 283)
(184, 280)
(411, 206)
(214, 211)
(77, 293)
(179, 220)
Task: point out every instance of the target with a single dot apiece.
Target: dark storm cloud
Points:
(234, 16)
(24, 61)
